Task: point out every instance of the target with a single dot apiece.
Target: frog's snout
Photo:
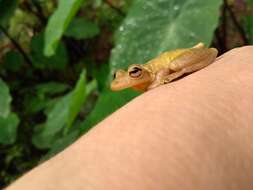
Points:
(120, 83)
(117, 85)
(114, 85)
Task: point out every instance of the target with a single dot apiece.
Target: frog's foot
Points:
(154, 85)
(199, 45)
(159, 79)
(166, 80)
(173, 76)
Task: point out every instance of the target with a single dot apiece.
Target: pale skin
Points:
(192, 134)
(165, 68)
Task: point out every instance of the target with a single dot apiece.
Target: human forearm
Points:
(195, 133)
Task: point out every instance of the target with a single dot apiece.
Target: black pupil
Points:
(114, 75)
(135, 70)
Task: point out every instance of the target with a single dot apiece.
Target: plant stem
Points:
(16, 44)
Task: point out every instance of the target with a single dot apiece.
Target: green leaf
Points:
(81, 28)
(101, 74)
(78, 98)
(5, 99)
(62, 114)
(150, 28)
(13, 61)
(7, 8)
(46, 134)
(41, 141)
(58, 23)
(8, 129)
(91, 86)
(58, 61)
(58, 116)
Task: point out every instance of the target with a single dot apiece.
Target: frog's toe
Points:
(167, 80)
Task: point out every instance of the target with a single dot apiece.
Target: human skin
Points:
(195, 133)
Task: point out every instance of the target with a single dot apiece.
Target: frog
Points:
(165, 68)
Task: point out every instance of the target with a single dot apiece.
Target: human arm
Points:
(195, 133)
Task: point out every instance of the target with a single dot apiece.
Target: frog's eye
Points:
(135, 72)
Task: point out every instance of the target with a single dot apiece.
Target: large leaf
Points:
(5, 99)
(7, 8)
(150, 28)
(58, 23)
(81, 28)
(8, 129)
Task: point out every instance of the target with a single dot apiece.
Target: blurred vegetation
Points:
(57, 58)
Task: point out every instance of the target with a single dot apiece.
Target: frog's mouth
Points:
(120, 84)
(141, 87)
(126, 82)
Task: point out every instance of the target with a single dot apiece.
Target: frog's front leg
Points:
(159, 78)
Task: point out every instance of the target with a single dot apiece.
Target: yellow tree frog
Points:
(165, 68)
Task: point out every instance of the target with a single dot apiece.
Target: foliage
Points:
(8, 120)
(58, 61)
(6, 10)
(55, 62)
(8, 129)
(5, 99)
(60, 18)
(81, 28)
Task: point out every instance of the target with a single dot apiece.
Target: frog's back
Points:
(164, 59)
